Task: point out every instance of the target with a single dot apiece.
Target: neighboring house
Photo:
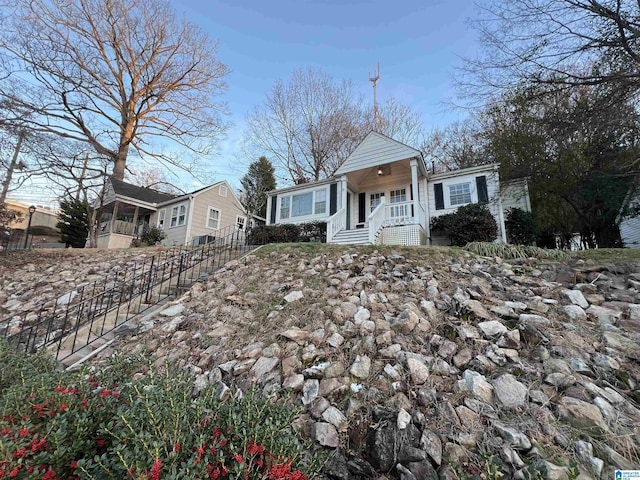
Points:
(630, 224)
(196, 217)
(383, 194)
(43, 216)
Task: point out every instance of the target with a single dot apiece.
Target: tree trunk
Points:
(120, 162)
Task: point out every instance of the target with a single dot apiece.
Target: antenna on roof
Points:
(374, 81)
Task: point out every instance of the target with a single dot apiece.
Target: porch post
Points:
(343, 194)
(114, 217)
(135, 221)
(416, 190)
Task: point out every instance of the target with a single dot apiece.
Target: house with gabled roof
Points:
(383, 193)
(192, 218)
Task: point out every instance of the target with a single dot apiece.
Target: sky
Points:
(417, 44)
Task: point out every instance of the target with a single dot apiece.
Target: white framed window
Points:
(213, 218)
(161, 215)
(460, 194)
(241, 222)
(320, 202)
(375, 199)
(398, 196)
(178, 215)
(302, 204)
(285, 207)
(222, 191)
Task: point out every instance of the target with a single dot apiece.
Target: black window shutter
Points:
(362, 208)
(437, 187)
(274, 203)
(481, 187)
(411, 195)
(333, 198)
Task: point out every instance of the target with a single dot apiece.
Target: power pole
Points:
(374, 80)
(12, 167)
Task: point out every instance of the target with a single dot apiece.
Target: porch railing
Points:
(83, 316)
(119, 226)
(376, 221)
(335, 223)
(397, 213)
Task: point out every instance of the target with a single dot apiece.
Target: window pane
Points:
(302, 204)
(285, 203)
(321, 201)
(181, 217)
(398, 196)
(459, 194)
(213, 220)
(375, 200)
(174, 216)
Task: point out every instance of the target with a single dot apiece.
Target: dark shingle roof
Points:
(139, 193)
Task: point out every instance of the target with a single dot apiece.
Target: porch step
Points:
(359, 236)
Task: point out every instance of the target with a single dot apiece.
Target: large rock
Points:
(575, 297)
(326, 434)
(361, 367)
(509, 391)
(405, 322)
(476, 384)
(582, 414)
(530, 320)
(492, 328)
(263, 366)
(418, 370)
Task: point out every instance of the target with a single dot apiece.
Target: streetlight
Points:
(32, 210)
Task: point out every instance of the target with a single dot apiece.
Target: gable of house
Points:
(206, 211)
(376, 150)
(215, 209)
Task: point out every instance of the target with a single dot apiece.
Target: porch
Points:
(121, 222)
(382, 204)
(388, 224)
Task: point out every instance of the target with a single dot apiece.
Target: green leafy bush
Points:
(521, 226)
(470, 223)
(288, 233)
(152, 235)
(56, 425)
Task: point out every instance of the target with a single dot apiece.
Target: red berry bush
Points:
(58, 425)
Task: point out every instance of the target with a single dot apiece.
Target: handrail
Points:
(98, 308)
(335, 223)
(376, 221)
(399, 212)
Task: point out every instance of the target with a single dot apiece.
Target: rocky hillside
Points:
(423, 363)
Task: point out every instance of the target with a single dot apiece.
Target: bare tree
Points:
(459, 145)
(114, 74)
(396, 120)
(308, 125)
(559, 42)
(153, 177)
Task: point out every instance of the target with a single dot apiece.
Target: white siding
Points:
(630, 229)
(515, 194)
(493, 189)
(376, 150)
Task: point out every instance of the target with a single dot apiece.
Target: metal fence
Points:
(85, 315)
